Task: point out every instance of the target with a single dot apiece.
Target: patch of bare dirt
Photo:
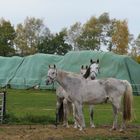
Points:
(50, 132)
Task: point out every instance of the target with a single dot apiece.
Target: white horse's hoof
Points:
(81, 129)
(92, 126)
(113, 129)
(75, 126)
(67, 126)
(121, 130)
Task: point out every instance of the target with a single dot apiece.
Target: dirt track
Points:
(49, 132)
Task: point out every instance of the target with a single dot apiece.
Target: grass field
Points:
(38, 107)
(31, 115)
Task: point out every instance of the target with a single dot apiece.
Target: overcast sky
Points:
(63, 13)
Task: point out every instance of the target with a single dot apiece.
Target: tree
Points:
(7, 35)
(55, 44)
(120, 37)
(72, 34)
(106, 24)
(104, 33)
(135, 50)
(138, 44)
(29, 35)
(96, 33)
(90, 37)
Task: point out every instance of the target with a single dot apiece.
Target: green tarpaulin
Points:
(30, 71)
(33, 71)
(111, 65)
(8, 68)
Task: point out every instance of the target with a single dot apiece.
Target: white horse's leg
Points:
(91, 109)
(74, 116)
(77, 119)
(76, 125)
(65, 103)
(82, 116)
(116, 109)
(123, 126)
(80, 119)
(115, 114)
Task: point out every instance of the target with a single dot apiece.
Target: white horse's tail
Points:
(127, 101)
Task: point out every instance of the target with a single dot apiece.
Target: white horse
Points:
(63, 105)
(80, 91)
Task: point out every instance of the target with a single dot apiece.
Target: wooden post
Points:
(4, 104)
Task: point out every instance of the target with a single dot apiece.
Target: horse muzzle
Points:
(48, 82)
(92, 77)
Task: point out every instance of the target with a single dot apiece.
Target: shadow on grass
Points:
(28, 119)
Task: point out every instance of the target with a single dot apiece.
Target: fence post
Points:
(2, 105)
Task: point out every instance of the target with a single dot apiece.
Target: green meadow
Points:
(38, 107)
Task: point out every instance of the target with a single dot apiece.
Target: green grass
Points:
(30, 106)
(38, 107)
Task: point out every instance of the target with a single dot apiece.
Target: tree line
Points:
(98, 33)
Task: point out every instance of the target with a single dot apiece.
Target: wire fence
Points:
(27, 86)
(135, 87)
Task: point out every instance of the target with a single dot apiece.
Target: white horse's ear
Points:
(91, 61)
(82, 67)
(86, 67)
(97, 60)
(54, 66)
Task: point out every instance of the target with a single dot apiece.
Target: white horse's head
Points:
(92, 70)
(51, 76)
(83, 70)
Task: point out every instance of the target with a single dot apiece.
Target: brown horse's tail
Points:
(127, 101)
